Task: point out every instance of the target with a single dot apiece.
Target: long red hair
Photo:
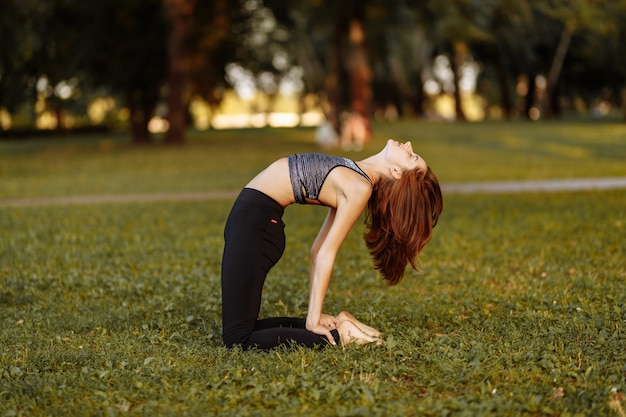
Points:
(401, 215)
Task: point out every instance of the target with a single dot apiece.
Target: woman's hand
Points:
(329, 322)
(323, 327)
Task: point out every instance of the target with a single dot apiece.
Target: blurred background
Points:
(160, 67)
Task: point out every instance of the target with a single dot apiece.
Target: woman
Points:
(403, 202)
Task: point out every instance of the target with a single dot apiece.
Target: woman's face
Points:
(403, 156)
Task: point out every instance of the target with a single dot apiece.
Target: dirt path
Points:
(487, 187)
(500, 187)
(116, 198)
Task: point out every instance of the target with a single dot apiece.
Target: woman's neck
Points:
(375, 167)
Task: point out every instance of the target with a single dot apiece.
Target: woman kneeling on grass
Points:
(403, 202)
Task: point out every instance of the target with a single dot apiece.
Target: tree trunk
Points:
(624, 103)
(423, 52)
(178, 14)
(138, 118)
(530, 94)
(59, 115)
(505, 95)
(548, 103)
(359, 70)
(457, 60)
(419, 96)
(333, 84)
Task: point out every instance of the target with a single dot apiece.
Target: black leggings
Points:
(254, 240)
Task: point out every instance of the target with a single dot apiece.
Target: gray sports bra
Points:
(308, 172)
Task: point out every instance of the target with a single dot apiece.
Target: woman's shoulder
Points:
(351, 184)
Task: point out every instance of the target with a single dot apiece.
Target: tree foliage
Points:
(362, 56)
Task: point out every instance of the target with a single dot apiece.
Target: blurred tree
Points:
(118, 46)
(459, 24)
(399, 49)
(19, 20)
(264, 51)
(310, 30)
(413, 50)
(61, 59)
(595, 65)
(617, 48)
(503, 56)
(40, 57)
(211, 48)
(575, 18)
(198, 33)
(335, 68)
(359, 55)
(179, 15)
(350, 65)
(330, 41)
(64, 46)
(126, 54)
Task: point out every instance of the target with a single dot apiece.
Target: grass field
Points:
(114, 309)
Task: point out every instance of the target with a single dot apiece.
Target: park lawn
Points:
(114, 309)
(519, 309)
(224, 160)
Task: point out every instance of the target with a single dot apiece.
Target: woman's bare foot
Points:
(370, 331)
(351, 333)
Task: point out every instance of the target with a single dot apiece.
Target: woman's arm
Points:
(338, 223)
